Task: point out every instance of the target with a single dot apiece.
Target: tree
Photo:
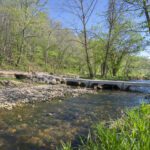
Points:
(112, 16)
(19, 26)
(143, 6)
(125, 44)
(120, 40)
(83, 11)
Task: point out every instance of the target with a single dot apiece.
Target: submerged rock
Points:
(147, 96)
(49, 114)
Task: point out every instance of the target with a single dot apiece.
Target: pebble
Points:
(14, 96)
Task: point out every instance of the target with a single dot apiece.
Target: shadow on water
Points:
(13, 143)
(42, 126)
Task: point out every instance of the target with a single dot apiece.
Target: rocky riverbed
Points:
(23, 87)
(14, 95)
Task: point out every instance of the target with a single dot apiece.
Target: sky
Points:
(56, 12)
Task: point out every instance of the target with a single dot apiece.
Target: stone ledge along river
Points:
(43, 125)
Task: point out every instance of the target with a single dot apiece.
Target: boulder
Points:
(73, 83)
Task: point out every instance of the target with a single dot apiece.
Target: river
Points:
(141, 89)
(42, 126)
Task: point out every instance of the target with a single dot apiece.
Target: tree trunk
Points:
(87, 55)
(104, 68)
(21, 48)
(146, 11)
(86, 42)
(114, 72)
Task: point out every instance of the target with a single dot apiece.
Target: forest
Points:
(74, 74)
(30, 40)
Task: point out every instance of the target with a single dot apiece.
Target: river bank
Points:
(131, 131)
(13, 93)
(43, 125)
(17, 88)
(12, 96)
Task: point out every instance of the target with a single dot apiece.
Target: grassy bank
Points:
(131, 132)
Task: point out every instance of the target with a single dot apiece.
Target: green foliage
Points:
(31, 41)
(66, 146)
(130, 132)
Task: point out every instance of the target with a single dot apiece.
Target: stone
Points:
(49, 114)
(53, 82)
(73, 83)
(63, 81)
(17, 96)
(147, 96)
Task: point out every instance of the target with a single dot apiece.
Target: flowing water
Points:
(42, 126)
(141, 89)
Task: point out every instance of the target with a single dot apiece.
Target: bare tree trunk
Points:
(20, 48)
(146, 11)
(86, 49)
(46, 51)
(83, 12)
(86, 40)
(142, 5)
(111, 18)
(104, 68)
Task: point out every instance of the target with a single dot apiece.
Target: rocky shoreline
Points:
(26, 87)
(35, 87)
(16, 96)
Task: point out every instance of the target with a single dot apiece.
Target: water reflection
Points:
(43, 125)
(141, 89)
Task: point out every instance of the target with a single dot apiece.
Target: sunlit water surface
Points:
(42, 126)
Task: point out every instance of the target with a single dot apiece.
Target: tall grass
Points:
(131, 132)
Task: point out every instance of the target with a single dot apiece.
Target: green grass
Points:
(131, 132)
